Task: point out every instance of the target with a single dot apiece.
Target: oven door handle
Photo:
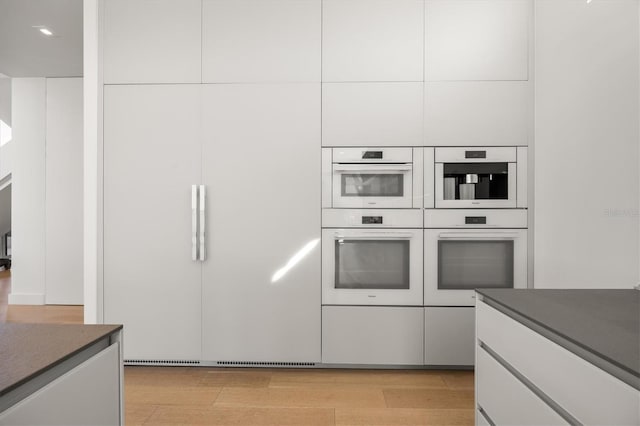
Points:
(478, 236)
(342, 168)
(376, 236)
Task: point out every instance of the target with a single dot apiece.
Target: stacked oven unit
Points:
(372, 256)
(475, 236)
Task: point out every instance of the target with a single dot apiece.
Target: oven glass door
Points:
(457, 262)
(372, 185)
(372, 267)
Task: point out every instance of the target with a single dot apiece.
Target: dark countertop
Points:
(602, 326)
(27, 350)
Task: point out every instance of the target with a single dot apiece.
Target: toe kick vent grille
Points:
(159, 362)
(264, 364)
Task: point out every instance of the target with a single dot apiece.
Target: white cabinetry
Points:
(449, 336)
(151, 159)
(372, 40)
(372, 335)
(477, 40)
(573, 389)
(152, 41)
(261, 166)
(480, 113)
(261, 40)
(372, 114)
(262, 209)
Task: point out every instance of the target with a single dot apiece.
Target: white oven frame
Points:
(404, 201)
(436, 297)
(388, 297)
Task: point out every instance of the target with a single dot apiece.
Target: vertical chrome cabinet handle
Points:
(194, 222)
(202, 223)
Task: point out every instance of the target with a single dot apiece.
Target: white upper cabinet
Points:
(481, 113)
(372, 40)
(261, 41)
(365, 114)
(152, 41)
(477, 39)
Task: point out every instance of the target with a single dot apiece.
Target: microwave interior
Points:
(372, 264)
(372, 184)
(468, 265)
(476, 181)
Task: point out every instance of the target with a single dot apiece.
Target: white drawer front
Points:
(506, 399)
(588, 393)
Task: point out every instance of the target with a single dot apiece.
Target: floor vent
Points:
(159, 362)
(266, 364)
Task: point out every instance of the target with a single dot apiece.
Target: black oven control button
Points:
(372, 220)
(475, 220)
(475, 154)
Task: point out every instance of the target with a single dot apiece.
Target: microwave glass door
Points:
(467, 265)
(476, 181)
(372, 264)
(372, 185)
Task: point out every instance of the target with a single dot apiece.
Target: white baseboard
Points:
(26, 299)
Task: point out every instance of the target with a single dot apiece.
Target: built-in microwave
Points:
(491, 177)
(373, 261)
(465, 250)
(372, 178)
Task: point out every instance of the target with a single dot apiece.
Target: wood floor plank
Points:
(404, 378)
(459, 379)
(137, 414)
(162, 376)
(187, 396)
(243, 416)
(403, 417)
(220, 377)
(428, 398)
(299, 398)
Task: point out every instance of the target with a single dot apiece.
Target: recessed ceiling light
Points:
(46, 32)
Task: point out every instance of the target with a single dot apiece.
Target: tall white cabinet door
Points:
(261, 41)
(151, 160)
(372, 40)
(152, 41)
(477, 39)
(261, 168)
(63, 203)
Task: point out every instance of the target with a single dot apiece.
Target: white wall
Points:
(5, 116)
(63, 204)
(587, 142)
(28, 191)
(47, 191)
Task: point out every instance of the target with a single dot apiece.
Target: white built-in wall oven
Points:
(372, 257)
(467, 249)
(376, 177)
(489, 177)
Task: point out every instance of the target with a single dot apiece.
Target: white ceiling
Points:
(25, 52)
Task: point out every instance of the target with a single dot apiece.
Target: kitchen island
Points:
(558, 357)
(60, 374)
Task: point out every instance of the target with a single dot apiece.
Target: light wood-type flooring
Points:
(252, 396)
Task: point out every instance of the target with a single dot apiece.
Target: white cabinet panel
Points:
(261, 40)
(449, 335)
(372, 40)
(372, 335)
(478, 113)
(152, 41)
(507, 399)
(151, 159)
(64, 192)
(261, 167)
(477, 39)
(369, 114)
(89, 394)
(588, 393)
